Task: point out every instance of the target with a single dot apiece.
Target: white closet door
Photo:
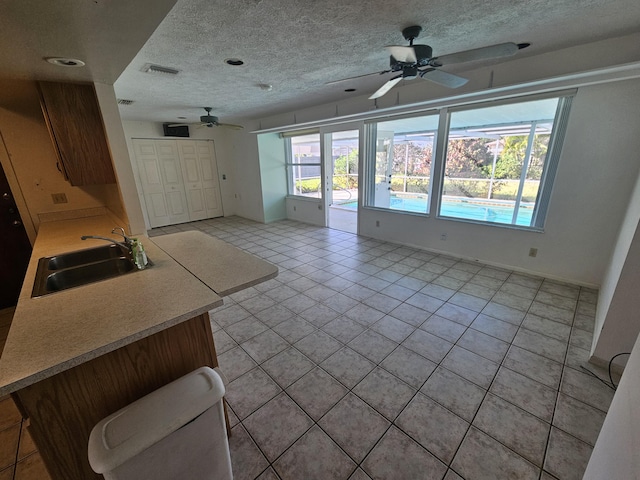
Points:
(151, 182)
(169, 163)
(192, 174)
(210, 180)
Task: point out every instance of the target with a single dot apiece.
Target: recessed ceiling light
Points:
(65, 62)
(350, 90)
(236, 62)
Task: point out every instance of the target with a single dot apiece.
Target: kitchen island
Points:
(75, 356)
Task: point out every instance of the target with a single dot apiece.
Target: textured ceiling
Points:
(296, 46)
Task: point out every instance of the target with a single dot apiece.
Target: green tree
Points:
(511, 159)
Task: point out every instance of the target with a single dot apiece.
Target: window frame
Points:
(290, 164)
(436, 184)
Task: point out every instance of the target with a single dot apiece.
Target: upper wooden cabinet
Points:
(73, 117)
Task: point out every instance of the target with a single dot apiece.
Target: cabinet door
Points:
(210, 182)
(192, 175)
(151, 182)
(74, 120)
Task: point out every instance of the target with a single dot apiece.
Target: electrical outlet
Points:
(533, 252)
(59, 197)
(443, 237)
(377, 223)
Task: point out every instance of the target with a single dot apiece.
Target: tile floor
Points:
(370, 360)
(365, 359)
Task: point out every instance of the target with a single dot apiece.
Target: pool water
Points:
(483, 212)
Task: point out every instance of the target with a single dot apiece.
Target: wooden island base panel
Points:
(63, 409)
(75, 357)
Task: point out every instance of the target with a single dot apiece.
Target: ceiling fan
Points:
(210, 121)
(418, 61)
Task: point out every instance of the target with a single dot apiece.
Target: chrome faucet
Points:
(107, 239)
(120, 231)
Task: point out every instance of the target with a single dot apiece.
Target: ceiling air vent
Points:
(122, 101)
(151, 68)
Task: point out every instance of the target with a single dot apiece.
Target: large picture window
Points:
(496, 161)
(304, 172)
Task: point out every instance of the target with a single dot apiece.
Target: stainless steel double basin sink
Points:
(81, 267)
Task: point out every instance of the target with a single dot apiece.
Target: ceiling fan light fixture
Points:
(265, 86)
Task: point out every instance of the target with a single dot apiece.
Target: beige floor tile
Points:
(443, 328)
(343, 329)
(578, 419)
(432, 426)
(250, 391)
(567, 457)
(541, 369)
(318, 346)
(526, 393)
(287, 366)
(348, 366)
(317, 392)
(454, 392)
(522, 432)
(372, 345)
(398, 457)
(265, 345)
(384, 392)
(484, 345)
(246, 459)
(292, 422)
(408, 366)
(355, 426)
(471, 366)
(314, 457)
(480, 457)
(429, 346)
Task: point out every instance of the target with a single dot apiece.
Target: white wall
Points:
(127, 207)
(307, 210)
(617, 322)
(223, 144)
(615, 454)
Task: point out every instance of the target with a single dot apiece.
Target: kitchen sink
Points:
(83, 257)
(81, 267)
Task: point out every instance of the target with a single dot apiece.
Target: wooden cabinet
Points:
(73, 117)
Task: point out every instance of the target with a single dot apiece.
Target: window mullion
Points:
(438, 161)
(523, 173)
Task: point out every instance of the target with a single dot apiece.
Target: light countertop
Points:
(53, 333)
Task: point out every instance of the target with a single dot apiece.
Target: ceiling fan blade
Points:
(230, 125)
(357, 76)
(483, 53)
(386, 87)
(443, 78)
(402, 53)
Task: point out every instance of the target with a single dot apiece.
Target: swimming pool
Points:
(482, 211)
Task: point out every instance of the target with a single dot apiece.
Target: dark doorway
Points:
(15, 248)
